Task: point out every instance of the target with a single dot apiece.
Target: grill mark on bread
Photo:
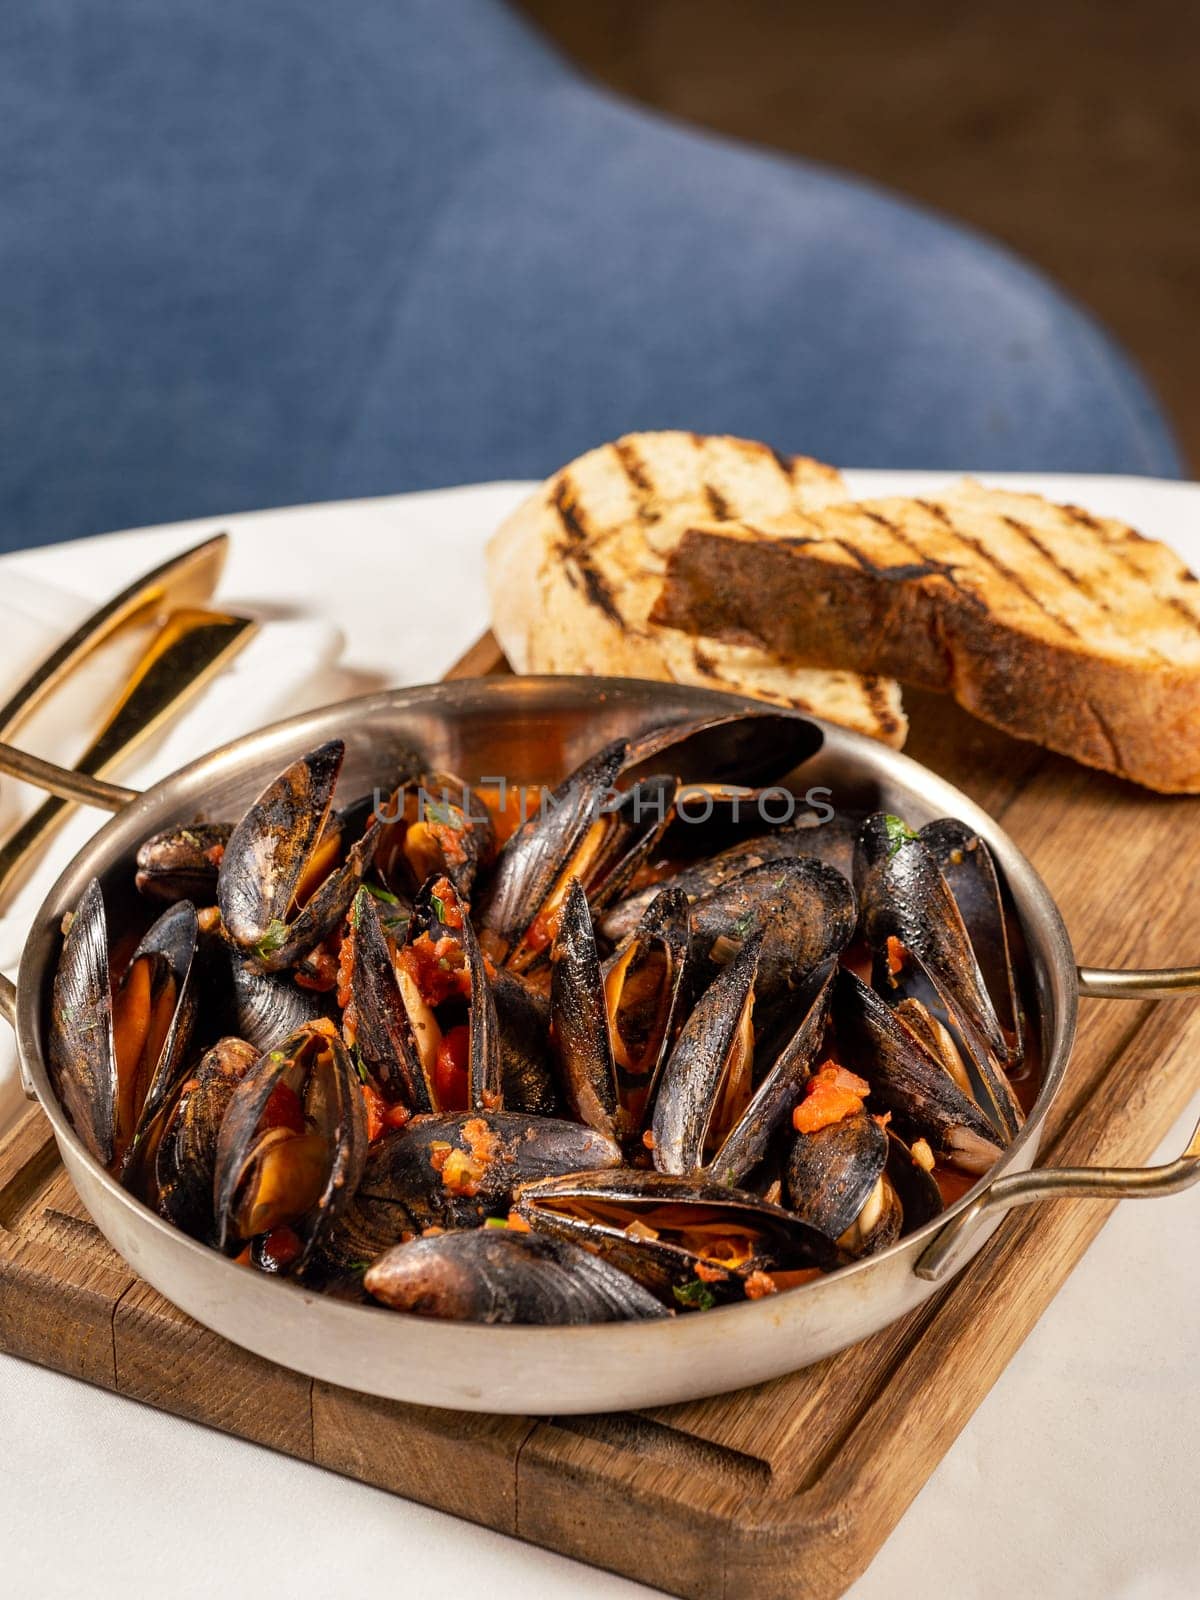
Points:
(786, 464)
(633, 466)
(990, 559)
(877, 699)
(717, 503)
(570, 514)
(1079, 580)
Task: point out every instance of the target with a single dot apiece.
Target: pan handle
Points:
(1155, 983)
(68, 785)
(8, 1001)
(1057, 1183)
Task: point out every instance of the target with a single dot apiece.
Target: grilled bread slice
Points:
(572, 574)
(1058, 626)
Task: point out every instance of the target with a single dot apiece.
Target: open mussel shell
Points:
(707, 1082)
(688, 1241)
(182, 863)
(435, 824)
(909, 1079)
(737, 1070)
(527, 1071)
(739, 747)
(647, 993)
(378, 1022)
(790, 1041)
(292, 1143)
(807, 835)
(454, 1172)
(966, 864)
(804, 909)
(394, 1025)
(837, 1180)
(500, 1275)
(440, 913)
(187, 1152)
(115, 1058)
(579, 1021)
(283, 886)
(562, 839)
(612, 1026)
(903, 895)
(915, 1186)
(904, 981)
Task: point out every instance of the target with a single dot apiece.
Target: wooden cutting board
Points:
(787, 1489)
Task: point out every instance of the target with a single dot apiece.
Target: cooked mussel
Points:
(187, 1153)
(837, 1181)
(434, 825)
(736, 1070)
(612, 1027)
(804, 910)
(690, 1242)
(287, 876)
(910, 1079)
(291, 1147)
(585, 829)
(117, 1056)
(182, 863)
(907, 912)
(421, 1014)
(969, 870)
(454, 1172)
(807, 835)
(501, 1275)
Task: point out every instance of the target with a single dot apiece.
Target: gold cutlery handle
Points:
(189, 649)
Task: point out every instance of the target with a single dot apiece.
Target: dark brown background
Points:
(1070, 129)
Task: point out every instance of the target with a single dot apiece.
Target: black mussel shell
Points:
(271, 1173)
(187, 1152)
(804, 909)
(526, 1063)
(182, 863)
(500, 1275)
(268, 855)
(690, 1242)
(908, 1079)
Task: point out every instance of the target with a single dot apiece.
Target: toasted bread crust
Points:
(1054, 625)
(572, 574)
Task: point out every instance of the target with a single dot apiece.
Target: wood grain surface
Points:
(786, 1489)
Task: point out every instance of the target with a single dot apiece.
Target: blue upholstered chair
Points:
(255, 254)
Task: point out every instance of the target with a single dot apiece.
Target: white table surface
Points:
(1078, 1475)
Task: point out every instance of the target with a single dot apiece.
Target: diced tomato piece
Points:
(376, 1107)
(281, 1247)
(450, 1070)
(282, 1110)
(896, 956)
(829, 1095)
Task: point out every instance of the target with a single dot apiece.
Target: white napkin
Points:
(289, 666)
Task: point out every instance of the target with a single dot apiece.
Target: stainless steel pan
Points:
(533, 729)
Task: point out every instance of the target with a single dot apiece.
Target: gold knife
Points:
(185, 580)
(188, 651)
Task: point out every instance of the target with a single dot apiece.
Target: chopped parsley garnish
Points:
(439, 907)
(274, 939)
(496, 1222)
(898, 832)
(360, 1065)
(697, 1296)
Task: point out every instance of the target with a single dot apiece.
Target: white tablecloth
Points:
(1078, 1475)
